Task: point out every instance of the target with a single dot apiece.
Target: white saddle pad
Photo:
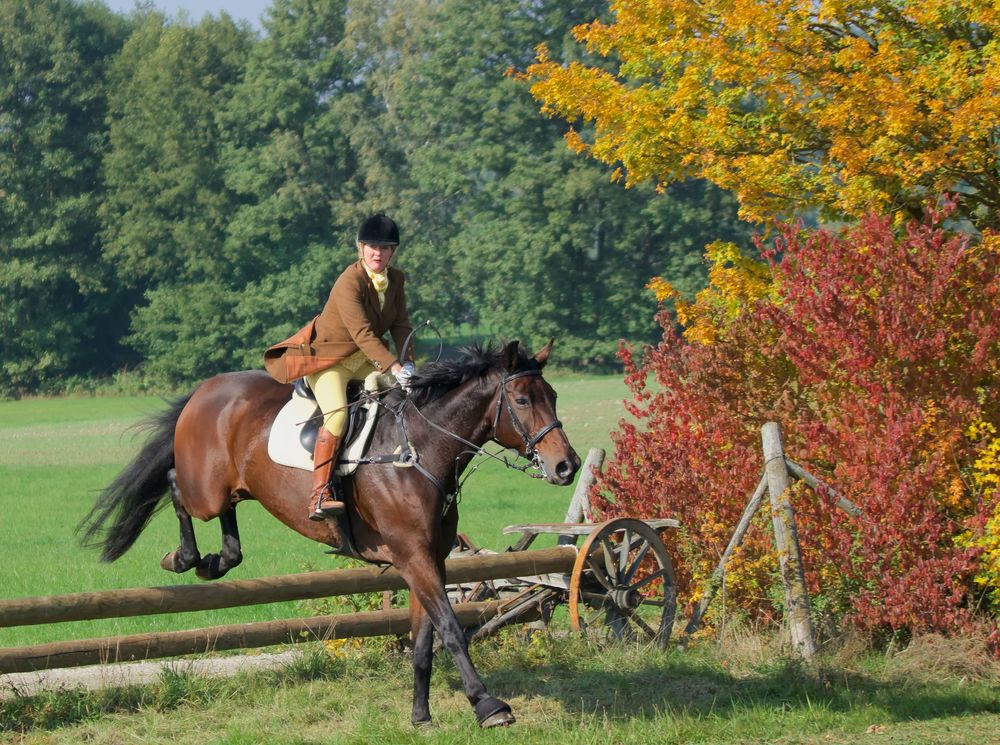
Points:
(284, 447)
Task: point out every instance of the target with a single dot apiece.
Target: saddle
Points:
(293, 432)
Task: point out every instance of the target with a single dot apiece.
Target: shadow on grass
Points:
(683, 688)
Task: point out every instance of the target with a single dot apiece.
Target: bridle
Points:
(530, 441)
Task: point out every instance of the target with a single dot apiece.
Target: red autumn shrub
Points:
(877, 350)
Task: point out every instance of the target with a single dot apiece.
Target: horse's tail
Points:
(125, 507)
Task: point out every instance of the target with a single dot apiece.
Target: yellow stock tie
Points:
(380, 280)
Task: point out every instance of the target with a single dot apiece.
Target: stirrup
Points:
(323, 505)
(330, 506)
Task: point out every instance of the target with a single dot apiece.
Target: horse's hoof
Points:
(492, 712)
(172, 562)
(423, 724)
(209, 567)
(500, 719)
(167, 562)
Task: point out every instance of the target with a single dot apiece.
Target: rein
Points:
(529, 442)
(407, 455)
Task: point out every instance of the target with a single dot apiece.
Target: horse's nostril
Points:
(564, 469)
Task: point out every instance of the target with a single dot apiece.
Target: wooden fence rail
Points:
(235, 636)
(88, 606)
(147, 601)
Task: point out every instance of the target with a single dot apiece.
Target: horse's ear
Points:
(543, 354)
(510, 355)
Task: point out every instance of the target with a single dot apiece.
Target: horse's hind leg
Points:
(213, 566)
(186, 555)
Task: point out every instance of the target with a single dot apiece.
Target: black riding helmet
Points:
(378, 230)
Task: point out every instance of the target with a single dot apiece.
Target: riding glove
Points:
(403, 376)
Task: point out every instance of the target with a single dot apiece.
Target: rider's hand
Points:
(403, 376)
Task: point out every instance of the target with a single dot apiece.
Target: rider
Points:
(345, 343)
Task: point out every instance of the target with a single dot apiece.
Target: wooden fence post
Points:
(579, 506)
(786, 541)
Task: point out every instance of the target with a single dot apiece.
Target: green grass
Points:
(562, 690)
(55, 454)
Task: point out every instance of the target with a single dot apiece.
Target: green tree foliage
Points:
(288, 158)
(228, 172)
(284, 154)
(167, 206)
(507, 230)
(57, 309)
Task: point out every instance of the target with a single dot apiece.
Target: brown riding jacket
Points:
(351, 320)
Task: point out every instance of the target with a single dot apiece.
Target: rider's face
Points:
(375, 257)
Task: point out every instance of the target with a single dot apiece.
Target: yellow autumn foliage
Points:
(849, 105)
(986, 475)
(735, 283)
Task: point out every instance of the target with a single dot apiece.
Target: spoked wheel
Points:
(623, 583)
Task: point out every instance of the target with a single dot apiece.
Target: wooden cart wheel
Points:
(623, 577)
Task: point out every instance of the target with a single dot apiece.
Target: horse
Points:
(208, 451)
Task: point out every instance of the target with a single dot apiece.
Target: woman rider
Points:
(345, 343)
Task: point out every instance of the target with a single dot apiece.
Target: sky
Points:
(250, 10)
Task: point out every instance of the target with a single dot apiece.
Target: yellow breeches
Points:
(330, 387)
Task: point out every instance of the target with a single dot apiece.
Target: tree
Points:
(284, 155)
(57, 307)
(277, 168)
(289, 159)
(850, 105)
(505, 230)
(188, 180)
(167, 205)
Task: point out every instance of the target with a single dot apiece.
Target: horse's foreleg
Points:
(422, 636)
(427, 584)
(186, 555)
(213, 566)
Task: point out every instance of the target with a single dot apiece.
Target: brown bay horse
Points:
(209, 452)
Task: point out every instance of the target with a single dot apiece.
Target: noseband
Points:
(503, 396)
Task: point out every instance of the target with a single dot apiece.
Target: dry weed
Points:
(935, 658)
(847, 650)
(744, 651)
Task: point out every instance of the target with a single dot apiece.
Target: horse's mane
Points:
(435, 379)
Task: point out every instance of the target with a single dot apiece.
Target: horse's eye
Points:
(521, 401)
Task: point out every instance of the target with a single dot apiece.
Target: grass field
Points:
(55, 454)
(563, 690)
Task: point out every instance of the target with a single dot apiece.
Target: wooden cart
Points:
(621, 586)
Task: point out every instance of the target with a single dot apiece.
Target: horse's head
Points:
(526, 418)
